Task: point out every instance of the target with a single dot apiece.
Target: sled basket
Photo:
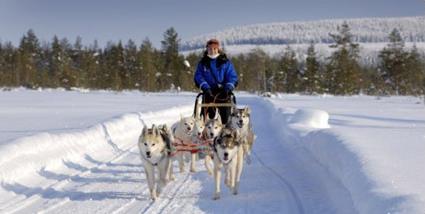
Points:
(201, 107)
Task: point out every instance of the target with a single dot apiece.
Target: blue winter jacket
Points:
(217, 73)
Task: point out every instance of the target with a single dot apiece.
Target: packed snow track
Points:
(103, 172)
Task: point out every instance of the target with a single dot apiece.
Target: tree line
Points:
(119, 66)
(399, 71)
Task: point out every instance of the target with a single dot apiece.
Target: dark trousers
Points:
(219, 97)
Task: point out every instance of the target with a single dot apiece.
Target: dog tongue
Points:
(226, 157)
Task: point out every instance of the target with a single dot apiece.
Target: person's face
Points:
(212, 49)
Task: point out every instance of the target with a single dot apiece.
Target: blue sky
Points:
(113, 20)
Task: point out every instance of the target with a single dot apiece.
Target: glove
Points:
(228, 90)
(208, 93)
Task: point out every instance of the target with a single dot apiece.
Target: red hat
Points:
(213, 42)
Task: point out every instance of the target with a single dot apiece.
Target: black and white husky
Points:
(154, 144)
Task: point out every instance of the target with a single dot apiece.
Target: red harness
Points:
(180, 146)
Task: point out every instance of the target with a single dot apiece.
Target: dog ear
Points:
(216, 113)
(195, 116)
(234, 109)
(155, 130)
(219, 118)
(144, 131)
(202, 118)
(248, 110)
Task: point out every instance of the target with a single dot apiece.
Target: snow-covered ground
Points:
(76, 152)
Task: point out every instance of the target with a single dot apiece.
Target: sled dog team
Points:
(225, 146)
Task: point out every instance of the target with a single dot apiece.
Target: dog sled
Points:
(201, 108)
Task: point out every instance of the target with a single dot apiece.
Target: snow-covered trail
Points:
(282, 178)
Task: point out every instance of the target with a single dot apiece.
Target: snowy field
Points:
(76, 152)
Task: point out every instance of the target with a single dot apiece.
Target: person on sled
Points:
(217, 78)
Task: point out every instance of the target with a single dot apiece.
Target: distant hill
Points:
(365, 30)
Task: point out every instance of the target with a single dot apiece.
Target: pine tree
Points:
(343, 69)
(240, 65)
(255, 73)
(55, 65)
(131, 64)
(91, 66)
(76, 54)
(393, 66)
(28, 59)
(115, 75)
(415, 73)
(289, 67)
(172, 73)
(312, 75)
(147, 75)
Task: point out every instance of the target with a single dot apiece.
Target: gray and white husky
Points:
(154, 144)
(241, 119)
(213, 128)
(226, 155)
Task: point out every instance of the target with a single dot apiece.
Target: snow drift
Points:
(26, 156)
(307, 128)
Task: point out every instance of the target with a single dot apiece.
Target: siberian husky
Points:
(226, 154)
(198, 138)
(213, 128)
(154, 144)
(241, 119)
(182, 132)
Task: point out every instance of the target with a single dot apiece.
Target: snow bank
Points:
(334, 153)
(25, 156)
(310, 118)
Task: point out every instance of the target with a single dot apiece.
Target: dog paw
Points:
(192, 170)
(235, 191)
(216, 196)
